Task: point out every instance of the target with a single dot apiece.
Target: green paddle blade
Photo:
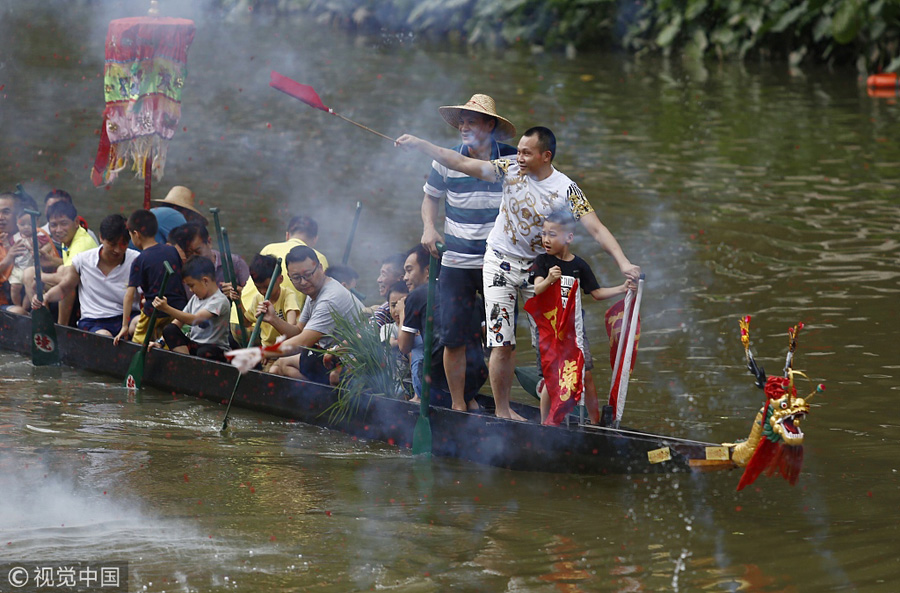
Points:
(135, 375)
(528, 378)
(422, 436)
(44, 347)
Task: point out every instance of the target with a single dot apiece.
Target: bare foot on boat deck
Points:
(414, 399)
(512, 415)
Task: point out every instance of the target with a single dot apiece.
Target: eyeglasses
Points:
(307, 277)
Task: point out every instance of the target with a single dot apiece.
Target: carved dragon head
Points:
(775, 443)
(784, 411)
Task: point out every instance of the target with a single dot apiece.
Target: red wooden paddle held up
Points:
(308, 95)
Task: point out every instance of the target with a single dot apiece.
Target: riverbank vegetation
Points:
(836, 32)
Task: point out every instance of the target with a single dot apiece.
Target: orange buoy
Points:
(884, 81)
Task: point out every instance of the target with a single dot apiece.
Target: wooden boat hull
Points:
(481, 438)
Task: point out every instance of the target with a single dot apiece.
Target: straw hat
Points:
(179, 196)
(479, 104)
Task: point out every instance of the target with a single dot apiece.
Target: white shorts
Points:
(505, 285)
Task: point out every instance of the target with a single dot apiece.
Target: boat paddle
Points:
(308, 95)
(422, 440)
(135, 376)
(44, 347)
(228, 271)
(256, 329)
(346, 257)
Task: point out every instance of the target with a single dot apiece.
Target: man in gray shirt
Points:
(325, 295)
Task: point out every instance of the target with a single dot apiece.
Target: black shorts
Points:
(174, 337)
(461, 311)
(312, 367)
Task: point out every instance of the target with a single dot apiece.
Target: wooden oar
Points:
(422, 440)
(256, 330)
(346, 257)
(228, 271)
(44, 347)
(135, 376)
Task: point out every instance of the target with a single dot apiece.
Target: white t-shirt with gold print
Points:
(526, 203)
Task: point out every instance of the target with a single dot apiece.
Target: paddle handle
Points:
(427, 338)
(162, 292)
(38, 285)
(259, 318)
(228, 267)
(346, 257)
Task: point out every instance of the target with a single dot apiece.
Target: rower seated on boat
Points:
(325, 297)
(206, 312)
(280, 316)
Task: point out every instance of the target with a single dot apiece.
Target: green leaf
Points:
(847, 21)
(788, 18)
(694, 9)
(894, 65)
(822, 28)
(668, 34)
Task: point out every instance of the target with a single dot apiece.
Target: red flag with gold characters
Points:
(146, 66)
(562, 359)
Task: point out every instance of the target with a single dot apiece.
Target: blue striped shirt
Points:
(471, 208)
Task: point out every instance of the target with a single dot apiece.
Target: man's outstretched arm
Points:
(449, 158)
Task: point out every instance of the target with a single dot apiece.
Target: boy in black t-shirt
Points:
(147, 273)
(559, 264)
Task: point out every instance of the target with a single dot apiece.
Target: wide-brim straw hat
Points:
(480, 104)
(179, 196)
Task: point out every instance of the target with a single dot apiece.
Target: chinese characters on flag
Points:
(562, 359)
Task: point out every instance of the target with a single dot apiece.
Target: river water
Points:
(739, 188)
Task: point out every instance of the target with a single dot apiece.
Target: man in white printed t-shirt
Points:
(101, 277)
(532, 189)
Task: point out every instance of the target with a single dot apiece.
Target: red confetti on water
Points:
(328, 513)
(390, 441)
(739, 508)
(104, 493)
(186, 479)
(268, 125)
(264, 219)
(869, 494)
(226, 108)
(252, 489)
(2, 86)
(271, 538)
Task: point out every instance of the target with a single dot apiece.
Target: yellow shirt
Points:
(281, 250)
(286, 302)
(82, 241)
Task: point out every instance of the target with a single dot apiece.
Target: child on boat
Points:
(207, 313)
(559, 264)
(147, 274)
(22, 243)
(280, 316)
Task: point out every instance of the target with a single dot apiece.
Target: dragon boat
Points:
(774, 444)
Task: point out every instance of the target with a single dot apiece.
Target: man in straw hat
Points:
(470, 210)
(532, 189)
(175, 210)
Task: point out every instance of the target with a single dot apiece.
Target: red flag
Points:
(304, 92)
(562, 360)
(618, 320)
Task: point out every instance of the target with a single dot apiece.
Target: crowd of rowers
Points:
(508, 225)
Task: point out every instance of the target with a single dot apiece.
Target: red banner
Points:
(562, 361)
(618, 319)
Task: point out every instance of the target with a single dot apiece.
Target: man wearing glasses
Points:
(324, 297)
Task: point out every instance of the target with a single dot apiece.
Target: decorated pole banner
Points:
(146, 66)
(562, 359)
(623, 317)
